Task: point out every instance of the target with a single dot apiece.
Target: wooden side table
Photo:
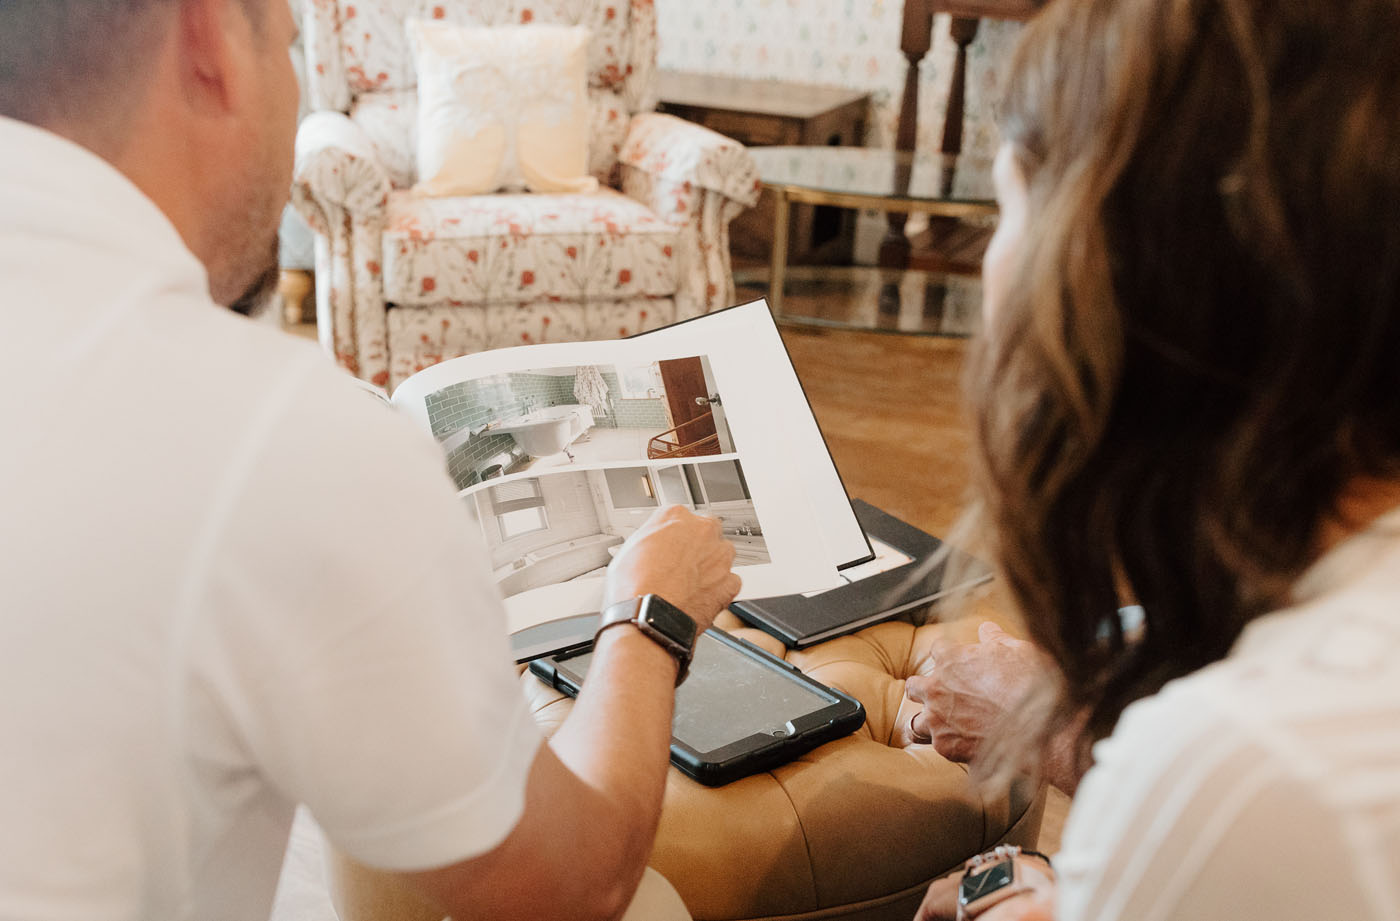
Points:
(759, 113)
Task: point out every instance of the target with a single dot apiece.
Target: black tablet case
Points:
(800, 622)
(757, 752)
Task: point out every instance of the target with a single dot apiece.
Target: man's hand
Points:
(966, 688)
(681, 557)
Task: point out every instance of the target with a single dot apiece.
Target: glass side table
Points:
(882, 180)
(873, 299)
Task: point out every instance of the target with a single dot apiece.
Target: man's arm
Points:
(593, 798)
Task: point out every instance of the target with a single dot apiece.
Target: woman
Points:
(1188, 397)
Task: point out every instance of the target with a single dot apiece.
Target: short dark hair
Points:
(78, 59)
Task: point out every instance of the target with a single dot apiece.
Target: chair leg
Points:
(295, 286)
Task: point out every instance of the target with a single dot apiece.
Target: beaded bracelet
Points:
(1002, 852)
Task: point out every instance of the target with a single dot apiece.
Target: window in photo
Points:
(640, 382)
(724, 482)
(717, 482)
(674, 490)
(519, 508)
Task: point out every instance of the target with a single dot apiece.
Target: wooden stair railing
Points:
(659, 448)
(915, 41)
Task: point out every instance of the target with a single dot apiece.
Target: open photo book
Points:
(562, 450)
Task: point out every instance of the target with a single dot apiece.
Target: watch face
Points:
(669, 620)
(996, 877)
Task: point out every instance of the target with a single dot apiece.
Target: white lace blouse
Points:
(1265, 787)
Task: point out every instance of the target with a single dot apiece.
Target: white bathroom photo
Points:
(567, 417)
(568, 524)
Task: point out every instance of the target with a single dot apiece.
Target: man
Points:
(231, 582)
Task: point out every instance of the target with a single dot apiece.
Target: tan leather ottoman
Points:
(855, 829)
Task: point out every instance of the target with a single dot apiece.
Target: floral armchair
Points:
(405, 281)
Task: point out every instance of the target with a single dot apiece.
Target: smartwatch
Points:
(659, 621)
(991, 878)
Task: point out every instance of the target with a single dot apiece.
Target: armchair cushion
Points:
(528, 248)
(686, 154)
(502, 107)
(390, 121)
(360, 48)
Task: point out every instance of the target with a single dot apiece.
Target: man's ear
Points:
(214, 46)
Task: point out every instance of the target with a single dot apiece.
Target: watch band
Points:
(659, 621)
(1003, 851)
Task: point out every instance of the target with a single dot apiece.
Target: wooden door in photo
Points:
(687, 400)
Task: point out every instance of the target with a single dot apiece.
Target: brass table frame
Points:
(785, 194)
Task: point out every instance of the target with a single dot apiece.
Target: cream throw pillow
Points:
(502, 107)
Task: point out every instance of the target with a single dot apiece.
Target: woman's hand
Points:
(1019, 908)
(966, 688)
(941, 900)
(1036, 904)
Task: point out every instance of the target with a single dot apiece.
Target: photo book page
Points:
(562, 450)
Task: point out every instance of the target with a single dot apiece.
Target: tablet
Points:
(740, 710)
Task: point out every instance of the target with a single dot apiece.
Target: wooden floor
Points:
(890, 409)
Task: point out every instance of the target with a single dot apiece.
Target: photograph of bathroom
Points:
(582, 415)
(562, 525)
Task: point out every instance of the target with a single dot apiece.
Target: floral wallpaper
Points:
(851, 43)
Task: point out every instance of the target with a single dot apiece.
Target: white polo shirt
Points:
(1265, 787)
(229, 582)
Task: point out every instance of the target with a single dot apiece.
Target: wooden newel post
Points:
(963, 30)
(915, 42)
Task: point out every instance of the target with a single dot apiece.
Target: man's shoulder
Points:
(335, 508)
(295, 392)
(309, 452)
(320, 415)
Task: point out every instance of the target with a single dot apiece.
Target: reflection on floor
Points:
(599, 445)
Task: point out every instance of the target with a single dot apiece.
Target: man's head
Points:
(78, 61)
(194, 100)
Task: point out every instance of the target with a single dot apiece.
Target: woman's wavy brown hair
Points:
(1200, 347)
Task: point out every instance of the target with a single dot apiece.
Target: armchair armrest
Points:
(337, 170)
(682, 152)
